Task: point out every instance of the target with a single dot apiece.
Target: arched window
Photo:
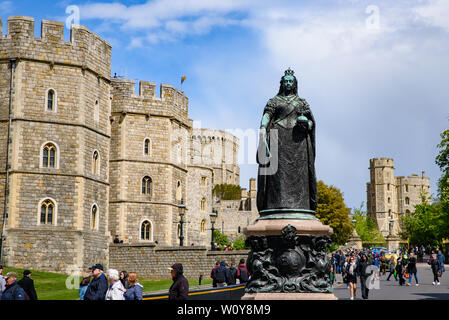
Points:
(95, 162)
(147, 147)
(407, 212)
(50, 100)
(389, 200)
(407, 200)
(203, 204)
(94, 216)
(203, 226)
(49, 156)
(146, 185)
(47, 212)
(406, 188)
(146, 231)
(239, 230)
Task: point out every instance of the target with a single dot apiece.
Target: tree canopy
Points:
(332, 211)
(366, 227)
(227, 191)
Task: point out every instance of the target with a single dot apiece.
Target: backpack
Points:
(243, 275)
(220, 276)
(25, 295)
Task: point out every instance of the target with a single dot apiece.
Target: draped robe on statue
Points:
(293, 185)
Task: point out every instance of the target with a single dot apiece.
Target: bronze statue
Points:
(288, 144)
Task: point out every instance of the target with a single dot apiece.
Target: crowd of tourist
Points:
(11, 289)
(353, 265)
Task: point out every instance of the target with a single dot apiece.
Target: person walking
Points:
(212, 273)
(242, 272)
(135, 290)
(2, 282)
(98, 286)
(351, 277)
(392, 268)
(115, 289)
(179, 290)
(400, 268)
(27, 285)
(362, 272)
(436, 269)
(233, 274)
(411, 269)
(124, 279)
(83, 285)
(12, 290)
(440, 257)
(221, 275)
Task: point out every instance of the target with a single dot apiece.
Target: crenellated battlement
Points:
(381, 162)
(85, 48)
(170, 102)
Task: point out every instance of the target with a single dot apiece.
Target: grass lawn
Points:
(52, 286)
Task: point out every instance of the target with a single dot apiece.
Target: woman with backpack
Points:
(242, 272)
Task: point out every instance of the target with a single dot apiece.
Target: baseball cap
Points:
(97, 266)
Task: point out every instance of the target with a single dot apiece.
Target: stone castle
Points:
(391, 197)
(85, 158)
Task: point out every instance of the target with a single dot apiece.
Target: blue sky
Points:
(374, 72)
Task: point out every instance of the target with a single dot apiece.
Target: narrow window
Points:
(50, 100)
(407, 200)
(203, 204)
(47, 209)
(147, 147)
(95, 165)
(145, 230)
(49, 156)
(94, 217)
(203, 226)
(146, 185)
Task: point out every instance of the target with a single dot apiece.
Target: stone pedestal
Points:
(288, 258)
(355, 241)
(393, 242)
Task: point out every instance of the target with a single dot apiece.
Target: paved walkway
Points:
(391, 290)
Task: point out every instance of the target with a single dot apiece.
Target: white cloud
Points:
(435, 13)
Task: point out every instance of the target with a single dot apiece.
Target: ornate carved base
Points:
(288, 264)
(289, 296)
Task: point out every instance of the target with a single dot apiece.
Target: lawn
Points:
(52, 286)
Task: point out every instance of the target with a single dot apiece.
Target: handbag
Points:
(407, 275)
(439, 273)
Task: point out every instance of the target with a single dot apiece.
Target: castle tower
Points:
(381, 194)
(149, 152)
(54, 141)
(392, 197)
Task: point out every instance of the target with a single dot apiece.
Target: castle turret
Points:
(58, 148)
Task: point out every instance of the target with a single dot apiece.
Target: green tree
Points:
(366, 227)
(442, 160)
(221, 238)
(332, 211)
(425, 224)
(227, 191)
(239, 244)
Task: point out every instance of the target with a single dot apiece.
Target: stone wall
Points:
(152, 262)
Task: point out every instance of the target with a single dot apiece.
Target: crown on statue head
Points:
(289, 72)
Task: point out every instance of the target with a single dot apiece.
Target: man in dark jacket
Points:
(12, 291)
(179, 290)
(233, 275)
(98, 286)
(364, 274)
(221, 275)
(27, 285)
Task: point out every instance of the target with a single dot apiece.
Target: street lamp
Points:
(213, 218)
(182, 211)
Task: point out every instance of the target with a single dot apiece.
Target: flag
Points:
(183, 78)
